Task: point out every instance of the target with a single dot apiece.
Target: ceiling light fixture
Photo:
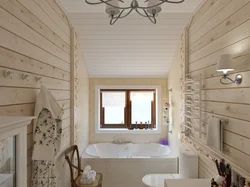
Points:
(116, 12)
(225, 65)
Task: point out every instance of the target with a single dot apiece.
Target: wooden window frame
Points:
(127, 110)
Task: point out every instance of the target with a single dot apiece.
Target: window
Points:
(127, 108)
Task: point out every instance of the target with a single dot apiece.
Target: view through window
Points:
(128, 108)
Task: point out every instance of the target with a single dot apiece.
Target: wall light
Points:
(225, 65)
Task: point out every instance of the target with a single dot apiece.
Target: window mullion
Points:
(101, 112)
(152, 114)
(125, 111)
(128, 105)
(129, 109)
(154, 111)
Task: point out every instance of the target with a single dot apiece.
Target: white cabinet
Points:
(187, 183)
(13, 150)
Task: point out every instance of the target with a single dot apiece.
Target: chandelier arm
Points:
(121, 8)
(124, 15)
(174, 2)
(96, 3)
(113, 20)
(107, 3)
(152, 19)
(141, 7)
(162, 1)
(143, 14)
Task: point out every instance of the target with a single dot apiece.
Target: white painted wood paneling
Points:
(81, 6)
(106, 48)
(133, 47)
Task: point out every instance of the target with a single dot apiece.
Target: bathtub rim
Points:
(170, 155)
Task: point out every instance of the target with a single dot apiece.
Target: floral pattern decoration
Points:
(47, 132)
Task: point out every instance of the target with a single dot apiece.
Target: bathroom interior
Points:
(148, 93)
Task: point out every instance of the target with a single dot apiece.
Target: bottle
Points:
(141, 127)
(228, 173)
(237, 180)
(224, 184)
(246, 183)
(130, 127)
(212, 182)
(241, 182)
(234, 178)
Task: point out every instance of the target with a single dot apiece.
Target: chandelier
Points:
(117, 12)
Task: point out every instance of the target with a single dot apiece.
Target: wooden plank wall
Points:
(176, 79)
(35, 41)
(219, 27)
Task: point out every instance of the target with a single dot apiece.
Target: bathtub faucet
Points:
(120, 142)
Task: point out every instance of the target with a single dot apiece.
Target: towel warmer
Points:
(193, 105)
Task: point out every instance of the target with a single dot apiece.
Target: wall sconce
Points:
(225, 65)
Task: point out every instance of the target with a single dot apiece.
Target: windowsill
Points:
(126, 131)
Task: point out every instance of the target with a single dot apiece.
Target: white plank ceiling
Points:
(133, 47)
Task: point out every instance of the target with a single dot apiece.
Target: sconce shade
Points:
(112, 11)
(225, 63)
(154, 10)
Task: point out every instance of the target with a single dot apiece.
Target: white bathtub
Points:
(109, 150)
(125, 165)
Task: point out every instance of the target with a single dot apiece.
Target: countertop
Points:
(187, 183)
(10, 120)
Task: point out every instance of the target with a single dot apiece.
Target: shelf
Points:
(9, 122)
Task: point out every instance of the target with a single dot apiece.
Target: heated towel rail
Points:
(193, 105)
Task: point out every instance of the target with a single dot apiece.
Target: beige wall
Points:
(94, 137)
(36, 41)
(81, 99)
(176, 99)
(219, 27)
